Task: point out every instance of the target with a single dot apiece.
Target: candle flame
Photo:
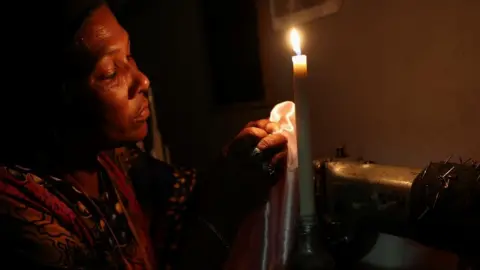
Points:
(296, 41)
(284, 114)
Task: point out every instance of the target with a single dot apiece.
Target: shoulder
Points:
(26, 193)
(31, 230)
(150, 174)
(134, 161)
(18, 182)
(26, 181)
(13, 171)
(21, 188)
(12, 181)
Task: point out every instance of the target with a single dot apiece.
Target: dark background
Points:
(230, 30)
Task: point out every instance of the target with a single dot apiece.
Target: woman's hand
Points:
(239, 182)
(250, 166)
(259, 143)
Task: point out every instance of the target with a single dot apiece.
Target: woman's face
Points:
(114, 91)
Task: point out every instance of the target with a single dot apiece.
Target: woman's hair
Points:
(33, 89)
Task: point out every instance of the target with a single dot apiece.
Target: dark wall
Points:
(397, 82)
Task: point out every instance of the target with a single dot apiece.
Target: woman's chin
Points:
(131, 136)
(141, 132)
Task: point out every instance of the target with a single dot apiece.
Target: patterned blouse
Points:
(50, 223)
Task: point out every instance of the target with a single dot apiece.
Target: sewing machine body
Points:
(357, 200)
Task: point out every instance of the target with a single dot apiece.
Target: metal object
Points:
(309, 252)
(352, 193)
(437, 206)
(360, 189)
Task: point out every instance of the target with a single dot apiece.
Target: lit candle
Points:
(305, 168)
(299, 60)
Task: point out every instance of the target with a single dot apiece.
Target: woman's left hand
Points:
(250, 166)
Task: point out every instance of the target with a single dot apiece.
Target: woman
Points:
(65, 203)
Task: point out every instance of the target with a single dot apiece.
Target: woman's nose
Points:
(141, 84)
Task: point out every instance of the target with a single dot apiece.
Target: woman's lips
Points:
(143, 113)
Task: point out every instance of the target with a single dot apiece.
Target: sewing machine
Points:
(437, 206)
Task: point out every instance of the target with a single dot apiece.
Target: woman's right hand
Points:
(251, 164)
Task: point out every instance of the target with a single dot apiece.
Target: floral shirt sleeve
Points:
(41, 230)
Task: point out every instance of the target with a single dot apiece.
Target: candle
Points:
(299, 60)
(299, 66)
(305, 168)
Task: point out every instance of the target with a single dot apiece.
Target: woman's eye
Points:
(109, 75)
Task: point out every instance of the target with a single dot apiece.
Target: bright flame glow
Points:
(295, 41)
(284, 114)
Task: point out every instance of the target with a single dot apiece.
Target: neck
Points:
(80, 162)
(78, 158)
(77, 152)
